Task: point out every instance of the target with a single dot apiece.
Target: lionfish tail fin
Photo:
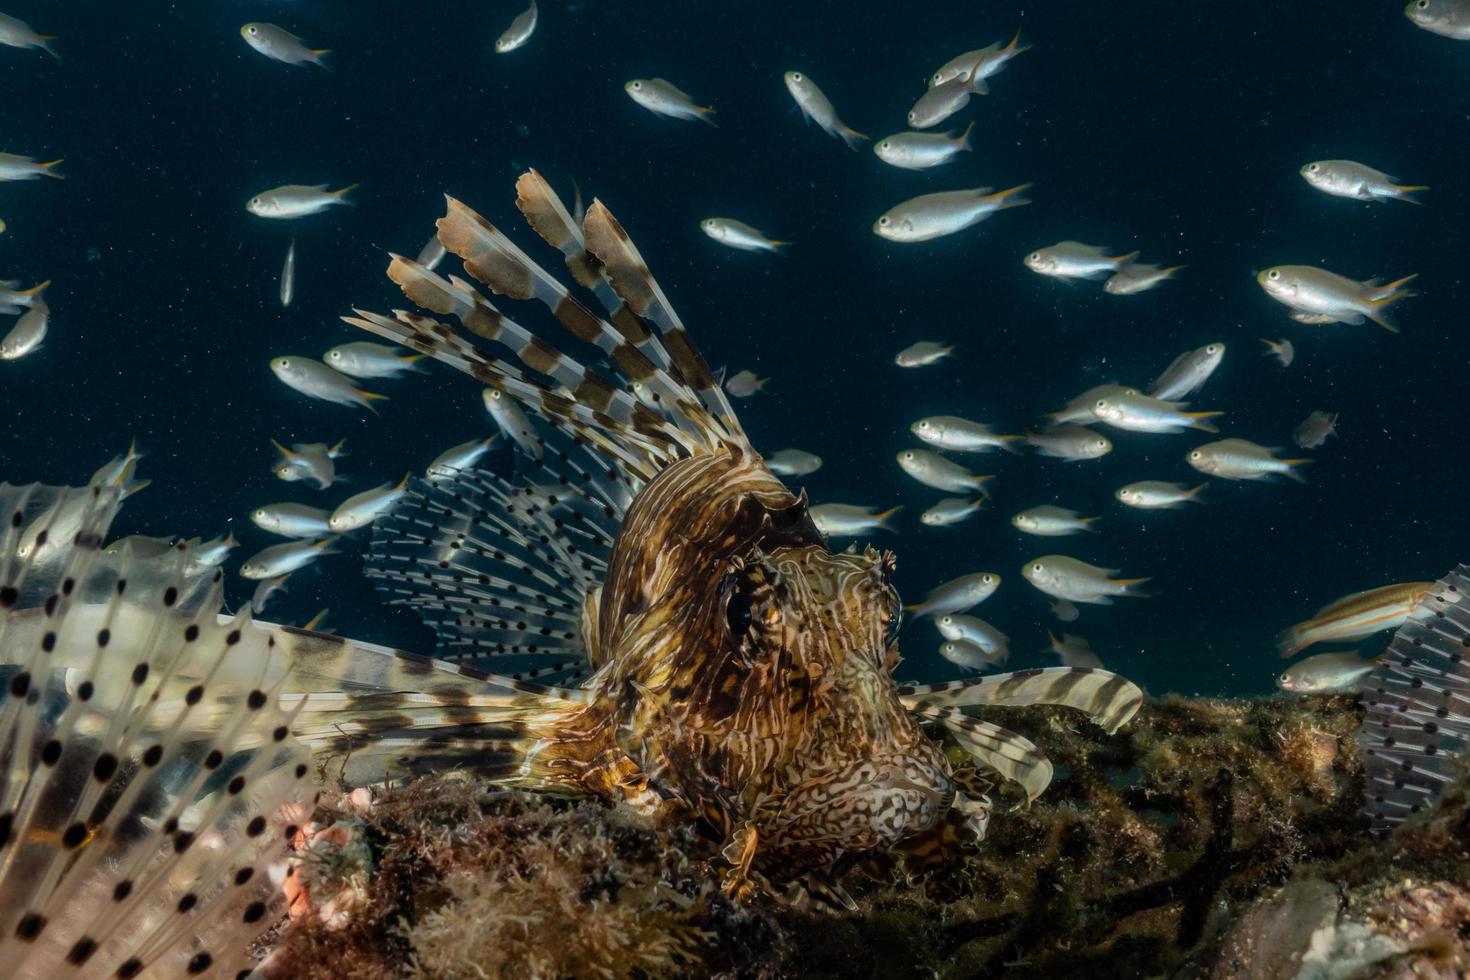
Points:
(1417, 724)
(152, 781)
(1109, 700)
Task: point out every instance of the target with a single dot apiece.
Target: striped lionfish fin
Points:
(501, 569)
(1013, 756)
(149, 782)
(1418, 706)
(1109, 700)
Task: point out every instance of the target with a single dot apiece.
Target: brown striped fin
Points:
(634, 283)
(1108, 699)
(1013, 756)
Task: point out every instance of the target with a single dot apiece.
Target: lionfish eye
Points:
(737, 614)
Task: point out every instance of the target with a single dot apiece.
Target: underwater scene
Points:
(591, 489)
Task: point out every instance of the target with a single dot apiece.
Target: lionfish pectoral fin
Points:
(1013, 756)
(1108, 699)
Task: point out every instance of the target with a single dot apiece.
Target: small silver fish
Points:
(116, 471)
(951, 510)
(1158, 495)
(1188, 372)
(13, 297)
(744, 384)
(1315, 429)
(1074, 260)
(1447, 18)
(972, 629)
(291, 520)
(1143, 413)
(461, 457)
(941, 102)
(513, 422)
(851, 520)
(288, 275)
(921, 151)
(519, 31)
(1063, 609)
(315, 461)
(27, 334)
(1070, 442)
(297, 200)
(1077, 581)
(1138, 277)
(818, 108)
(933, 470)
(980, 64)
(1348, 178)
(1079, 409)
(279, 44)
(1324, 673)
(281, 559)
(315, 380)
(738, 234)
(1240, 459)
(1049, 521)
(793, 462)
(664, 98)
(969, 656)
(361, 509)
(1283, 351)
(265, 590)
(1074, 651)
(929, 216)
(922, 354)
(962, 436)
(1318, 296)
(213, 551)
(13, 166)
(18, 34)
(957, 595)
(364, 359)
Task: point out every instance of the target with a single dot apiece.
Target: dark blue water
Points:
(1175, 129)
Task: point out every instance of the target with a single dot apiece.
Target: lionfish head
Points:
(855, 771)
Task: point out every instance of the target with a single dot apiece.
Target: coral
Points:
(1208, 838)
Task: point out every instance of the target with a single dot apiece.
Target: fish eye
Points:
(913, 116)
(1212, 349)
(987, 578)
(1312, 168)
(1034, 257)
(796, 76)
(1036, 568)
(908, 455)
(1274, 274)
(1196, 455)
(883, 145)
(253, 30)
(637, 86)
(924, 425)
(1100, 403)
(883, 221)
(1423, 4)
(1101, 444)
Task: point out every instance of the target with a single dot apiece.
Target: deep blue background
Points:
(1172, 128)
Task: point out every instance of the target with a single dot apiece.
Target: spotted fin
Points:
(1108, 699)
(1418, 706)
(149, 782)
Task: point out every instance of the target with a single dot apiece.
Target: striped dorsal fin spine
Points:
(1109, 700)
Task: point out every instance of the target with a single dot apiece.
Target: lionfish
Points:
(690, 646)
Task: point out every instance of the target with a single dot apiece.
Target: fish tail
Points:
(46, 168)
(35, 291)
(852, 137)
(45, 45)
(707, 113)
(1417, 700)
(1016, 47)
(1131, 585)
(1123, 260)
(883, 520)
(368, 397)
(1194, 492)
(319, 58)
(335, 452)
(1409, 192)
(168, 782)
(1169, 272)
(1088, 522)
(964, 140)
(1201, 420)
(1292, 471)
(1012, 197)
(341, 195)
(1380, 298)
(1291, 641)
(1013, 444)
